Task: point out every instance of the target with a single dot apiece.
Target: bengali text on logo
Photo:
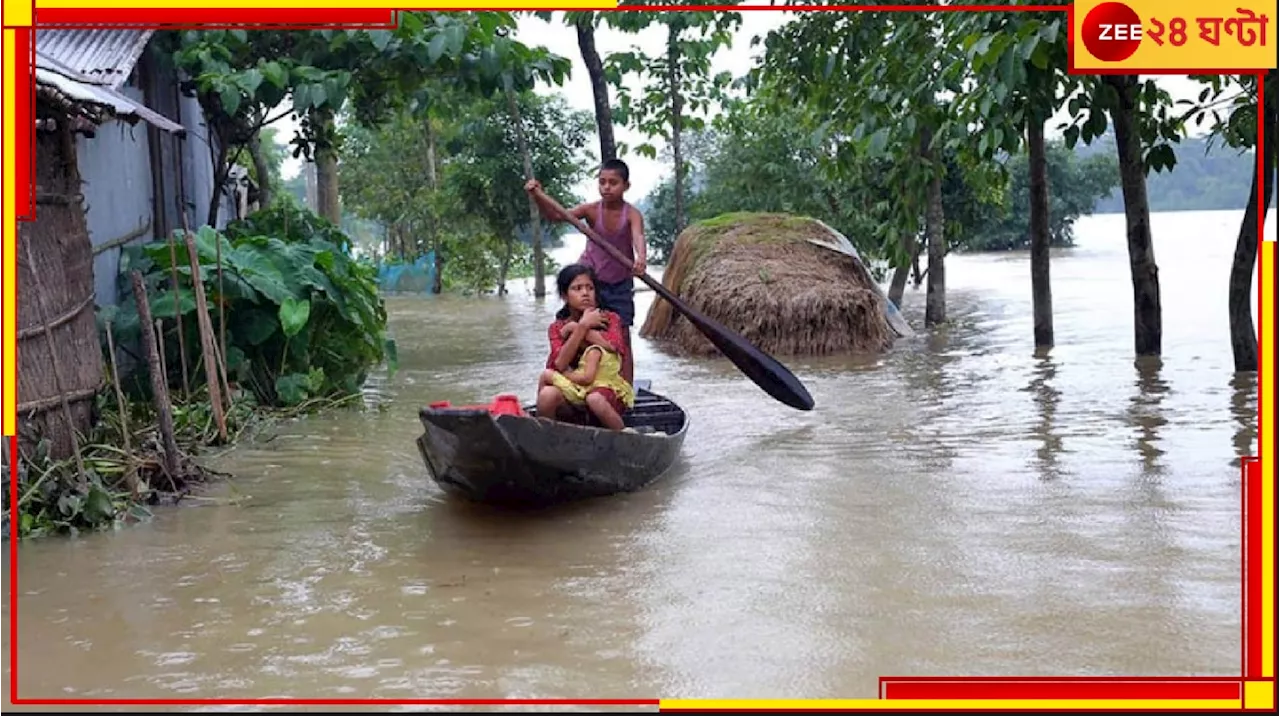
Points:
(1171, 35)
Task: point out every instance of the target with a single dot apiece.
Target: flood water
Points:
(958, 506)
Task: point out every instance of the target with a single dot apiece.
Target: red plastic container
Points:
(505, 404)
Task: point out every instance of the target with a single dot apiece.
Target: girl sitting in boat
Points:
(589, 341)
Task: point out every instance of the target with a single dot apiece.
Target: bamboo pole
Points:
(177, 315)
(211, 371)
(164, 367)
(159, 390)
(178, 199)
(57, 363)
(130, 476)
(222, 320)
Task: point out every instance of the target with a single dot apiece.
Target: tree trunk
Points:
(599, 86)
(504, 264)
(1147, 327)
(898, 285)
(1041, 289)
(437, 281)
(220, 173)
(935, 302)
(677, 106)
(328, 204)
(1240, 296)
(261, 169)
(917, 277)
(535, 216)
(159, 386)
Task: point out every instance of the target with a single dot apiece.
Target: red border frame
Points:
(891, 688)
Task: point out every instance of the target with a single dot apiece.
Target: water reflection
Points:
(1244, 410)
(1046, 397)
(1145, 413)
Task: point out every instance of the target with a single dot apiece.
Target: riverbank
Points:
(120, 473)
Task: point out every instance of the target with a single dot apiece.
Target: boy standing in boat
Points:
(622, 226)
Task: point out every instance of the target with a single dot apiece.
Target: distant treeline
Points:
(1207, 177)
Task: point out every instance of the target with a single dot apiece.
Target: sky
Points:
(648, 173)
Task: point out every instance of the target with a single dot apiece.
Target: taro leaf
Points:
(234, 287)
(69, 505)
(206, 240)
(292, 388)
(315, 380)
(236, 359)
(162, 303)
(294, 315)
(97, 505)
(325, 259)
(257, 268)
(254, 328)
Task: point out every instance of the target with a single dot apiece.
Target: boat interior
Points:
(650, 414)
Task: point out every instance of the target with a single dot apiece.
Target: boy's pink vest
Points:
(607, 268)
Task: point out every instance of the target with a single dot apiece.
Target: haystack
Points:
(759, 275)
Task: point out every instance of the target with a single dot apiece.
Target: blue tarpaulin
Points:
(416, 277)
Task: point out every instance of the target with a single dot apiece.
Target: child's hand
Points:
(568, 329)
(639, 266)
(533, 185)
(592, 318)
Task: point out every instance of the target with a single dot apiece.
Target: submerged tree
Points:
(1239, 95)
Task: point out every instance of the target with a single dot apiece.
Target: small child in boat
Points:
(584, 369)
(621, 225)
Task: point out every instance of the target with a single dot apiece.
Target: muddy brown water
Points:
(958, 506)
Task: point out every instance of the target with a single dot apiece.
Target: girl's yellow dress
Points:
(608, 375)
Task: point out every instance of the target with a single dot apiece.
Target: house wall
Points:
(197, 160)
(115, 166)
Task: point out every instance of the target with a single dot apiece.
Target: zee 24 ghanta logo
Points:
(1113, 31)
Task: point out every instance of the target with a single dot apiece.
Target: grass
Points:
(741, 228)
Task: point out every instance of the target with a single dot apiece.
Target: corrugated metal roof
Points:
(88, 66)
(105, 57)
(109, 99)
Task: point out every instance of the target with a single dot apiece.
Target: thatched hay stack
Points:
(759, 275)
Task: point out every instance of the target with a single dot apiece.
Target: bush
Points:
(303, 318)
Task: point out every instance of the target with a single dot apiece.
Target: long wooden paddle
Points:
(763, 369)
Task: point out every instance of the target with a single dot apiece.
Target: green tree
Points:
(1075, 184)
(1015, 66)
(678, 85)
(875, 81)
(389, 173)
(1239, 97)
(1145, 128)
(240, 76)
(584, 24)
(485, 171)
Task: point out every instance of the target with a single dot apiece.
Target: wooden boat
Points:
(509, 458)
